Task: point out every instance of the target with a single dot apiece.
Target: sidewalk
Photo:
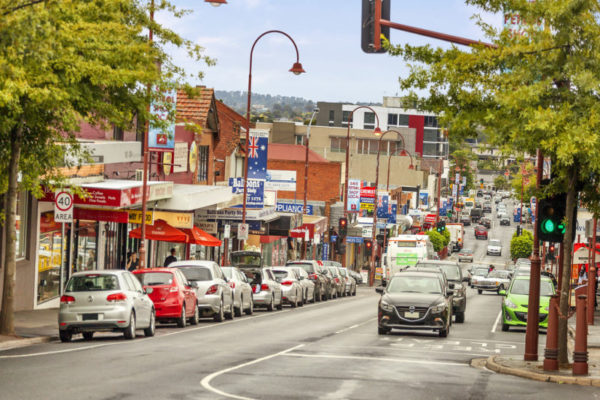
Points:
(32, 327)
(534, 370)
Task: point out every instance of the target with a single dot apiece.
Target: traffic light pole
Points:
(533, 306)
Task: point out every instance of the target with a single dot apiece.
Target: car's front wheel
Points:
(504, 327)
(479, 291)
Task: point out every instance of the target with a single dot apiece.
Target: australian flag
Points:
(258, 147)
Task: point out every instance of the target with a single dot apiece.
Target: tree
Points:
(446, 236)
(437, 240)
(501, 183)
(64, 62)
(526, 92)
(521, 247)
(460, 162)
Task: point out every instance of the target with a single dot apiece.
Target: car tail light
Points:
(337, 280)
(231, 284)
(116, 297)
(67, 299)
(213, 289)
(287, 283)
(264, 286)
(314, 277)
(173, 289)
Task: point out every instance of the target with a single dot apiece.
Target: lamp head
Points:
(297, 69)
(411, 166)
(403, 153)
(377, 131)
(216, 3)
(316, 110)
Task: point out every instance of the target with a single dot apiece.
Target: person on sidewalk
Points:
(132, 261)
(170, 258)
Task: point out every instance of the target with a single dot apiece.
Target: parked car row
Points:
(185, 291)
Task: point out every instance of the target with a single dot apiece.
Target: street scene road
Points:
(327, 350)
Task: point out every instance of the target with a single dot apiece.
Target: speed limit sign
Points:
(63, 207)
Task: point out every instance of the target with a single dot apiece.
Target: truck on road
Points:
(457, 234)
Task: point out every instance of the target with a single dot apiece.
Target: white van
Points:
(406, 250)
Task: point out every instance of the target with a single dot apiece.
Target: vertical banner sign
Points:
(256, 191)
(367, 200)
(258, 148)
(325, 251)
(457, 179)
(161, 139)
(383, 205)
(353, 195)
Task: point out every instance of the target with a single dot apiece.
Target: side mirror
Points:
(450, 293)
(384, 282)
(148, 290)
(502, 292)
(379, 290)
(194, 284)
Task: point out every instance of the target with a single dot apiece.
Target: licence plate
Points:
(89, 317)
(409, 314)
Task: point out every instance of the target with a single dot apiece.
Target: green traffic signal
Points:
(548, 226)
(562, 228)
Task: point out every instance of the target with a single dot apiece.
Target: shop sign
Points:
(367, 191)
(208, 226)
(167, 162)
(236, 214)
(255, 226)
(161, 139)
(193, 158)
(280, 180)
(135, 217)
(367, 231)
(180, 157)
(101, 215)
(354, 239)
(175, 219)
(367, 204)
(294, 208)
(353, 195)
(226, 231)
(255, 196)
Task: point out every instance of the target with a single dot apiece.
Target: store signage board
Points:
(294, 208)
(162, 139)
(280, 180)
(63, 206)
(226, 231)
(208, 226)
(180, 157)
(354, 195)
(255, 191)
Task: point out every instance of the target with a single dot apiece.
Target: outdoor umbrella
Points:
(160, 231)
(198, 236)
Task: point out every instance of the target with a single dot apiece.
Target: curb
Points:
(18, 343)
(491, 364)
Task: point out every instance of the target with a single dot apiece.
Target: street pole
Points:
(591, 289)
(377, 131)
(533, 306)
(439, 189)
(315, 112)
(296, 70)
(522, 186)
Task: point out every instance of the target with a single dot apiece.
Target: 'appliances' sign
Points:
(294, 208)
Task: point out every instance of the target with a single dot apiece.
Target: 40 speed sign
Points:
(63, 206)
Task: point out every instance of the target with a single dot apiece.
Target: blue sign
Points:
(294, 208)
(325, 251)
(161, 139)
(354, 239)
(424, 198)
(333, 238)
(517, 215)
(256, 191)
(253, 225)
(392, 216)
(257, 154)
(383, 203)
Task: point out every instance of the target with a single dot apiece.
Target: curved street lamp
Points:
(296, 69)
(312, 117)
(216, 3)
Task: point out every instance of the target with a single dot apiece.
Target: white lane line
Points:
(398, 360)
(187, 330)
(356, 325)
(496, 322)
(206, 381)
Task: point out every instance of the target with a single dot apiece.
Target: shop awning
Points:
(160, 231)
(194, 197)
(198, 236)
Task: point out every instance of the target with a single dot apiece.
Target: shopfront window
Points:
(21, 224)
(50, 257)
(164, 250)
(86, 237)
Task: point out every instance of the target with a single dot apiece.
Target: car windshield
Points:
(155, 278)
(197, 273)
(498, 274)
(521, 286)
(333, 271)
(480, 271)
(466, 251)
(494, 243)
(309, 268)
(92, 282)
(342, 272)
(414, 284)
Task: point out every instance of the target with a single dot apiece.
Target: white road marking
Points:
(496, 322)
(187, 330)
(206, 381)
(398, 360)
(357, 325)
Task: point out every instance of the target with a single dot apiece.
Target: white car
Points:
(494, 248)
(242, 291)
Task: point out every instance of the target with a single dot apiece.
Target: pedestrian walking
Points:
(132, 261)
(170, 258)
(582, 276)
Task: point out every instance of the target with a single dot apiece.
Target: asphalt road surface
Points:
(328, 350)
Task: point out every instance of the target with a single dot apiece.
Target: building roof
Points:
(194, 109)
(293, 152)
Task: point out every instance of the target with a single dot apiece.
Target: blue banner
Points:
(256, 191)
(424, 199)
(294, 208)
(354, 239)
(325, 251)
(257, 154)
(383, 209)
(253, 225)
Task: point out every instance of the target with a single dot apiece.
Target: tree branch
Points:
(31, 3)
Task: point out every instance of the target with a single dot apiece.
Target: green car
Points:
(514, 305)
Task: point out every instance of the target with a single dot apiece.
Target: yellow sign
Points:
(135, 217)
(167, 162)
(193, 157)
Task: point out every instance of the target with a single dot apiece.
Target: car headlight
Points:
(439, 308)
(386, 306)
(509, 304)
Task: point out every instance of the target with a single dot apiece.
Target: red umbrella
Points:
(160, 231)
(198, 236)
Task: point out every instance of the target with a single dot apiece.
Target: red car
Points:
(481, 232)
(173, 296)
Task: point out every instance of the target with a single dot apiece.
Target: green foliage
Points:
(437, 240)
(525, 233)
(521, 246)
(446, 236)
(460, 161)
(501, 183)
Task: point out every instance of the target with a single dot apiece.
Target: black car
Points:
(455, 276)
(414, 300)
(505, 221)
(316, 273)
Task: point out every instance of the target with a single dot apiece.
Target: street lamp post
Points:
(374, 229)
(296, 69)
(315, 112)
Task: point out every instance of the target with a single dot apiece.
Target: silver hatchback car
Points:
(242, 291)
(111, 300)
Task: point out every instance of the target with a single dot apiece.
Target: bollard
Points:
(580, 353)
(551, 350)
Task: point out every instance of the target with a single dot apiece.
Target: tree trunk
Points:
(7, 323)
(567, 260)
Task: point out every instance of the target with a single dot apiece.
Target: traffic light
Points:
(441, 226)
(340, 246)
(552, 214)
(368, 247)
(343, 227)
(368, 24)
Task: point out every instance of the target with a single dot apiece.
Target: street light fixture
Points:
(296, 69)
(216, 3)
(312, 117)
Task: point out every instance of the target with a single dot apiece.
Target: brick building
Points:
(228, 157)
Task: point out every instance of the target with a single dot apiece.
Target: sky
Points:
(327, 33)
